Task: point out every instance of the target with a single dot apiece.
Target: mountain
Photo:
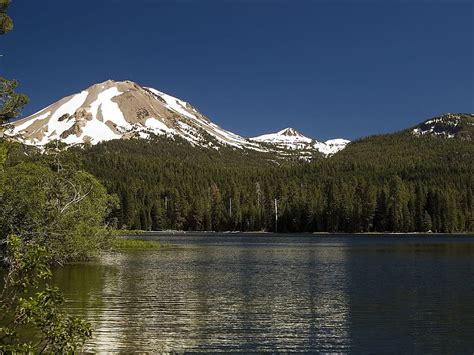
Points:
(449, 125)
(291, 139)
(123, 109)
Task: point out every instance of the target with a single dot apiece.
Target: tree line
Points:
(389, 183)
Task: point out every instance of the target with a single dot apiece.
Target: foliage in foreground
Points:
(45, 218)
(11, 102)
(64, 212)
(56, 215)
(29, 306)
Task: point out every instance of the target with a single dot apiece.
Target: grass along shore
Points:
(136, 244)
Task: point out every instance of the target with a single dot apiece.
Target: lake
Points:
(264, 292)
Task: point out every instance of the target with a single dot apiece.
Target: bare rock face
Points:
(82, 114)
(64, 117)
(74, 130)
(113, 127)
(142, 113)
(291, 132)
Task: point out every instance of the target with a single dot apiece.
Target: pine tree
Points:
(426, 222)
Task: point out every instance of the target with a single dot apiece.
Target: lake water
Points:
(243, 292)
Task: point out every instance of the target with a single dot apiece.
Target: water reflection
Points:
(287, 295)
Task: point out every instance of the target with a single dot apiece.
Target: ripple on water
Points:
(234, 295)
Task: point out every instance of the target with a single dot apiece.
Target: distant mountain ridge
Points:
(291, 139)
(124, 109)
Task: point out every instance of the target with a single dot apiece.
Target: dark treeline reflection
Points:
(280, 293)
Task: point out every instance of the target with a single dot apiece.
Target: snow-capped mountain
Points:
(449, 125)
(288, 138)
(124, 109)
(291, 139)
(114, 110)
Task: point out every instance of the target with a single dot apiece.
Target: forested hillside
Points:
(398, 182)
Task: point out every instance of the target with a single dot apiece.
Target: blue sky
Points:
(327, 68)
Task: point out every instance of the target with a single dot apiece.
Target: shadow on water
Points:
(327, 294)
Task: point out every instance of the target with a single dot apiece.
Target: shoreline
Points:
(263, 233)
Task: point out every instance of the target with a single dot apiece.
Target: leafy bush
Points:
(62, 211)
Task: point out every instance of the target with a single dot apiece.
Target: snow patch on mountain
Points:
(108, 108)
(174, 103)
(157, 125)
(335, 145)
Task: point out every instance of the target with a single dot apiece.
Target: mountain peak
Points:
(121, 85)
(291, 139)
(287, 135)
(289, 132)
(448, 125)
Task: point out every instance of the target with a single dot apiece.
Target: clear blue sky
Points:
(327, 68)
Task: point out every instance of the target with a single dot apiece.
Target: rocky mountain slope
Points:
(123, 109)
(116, 110)
(449, 125)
